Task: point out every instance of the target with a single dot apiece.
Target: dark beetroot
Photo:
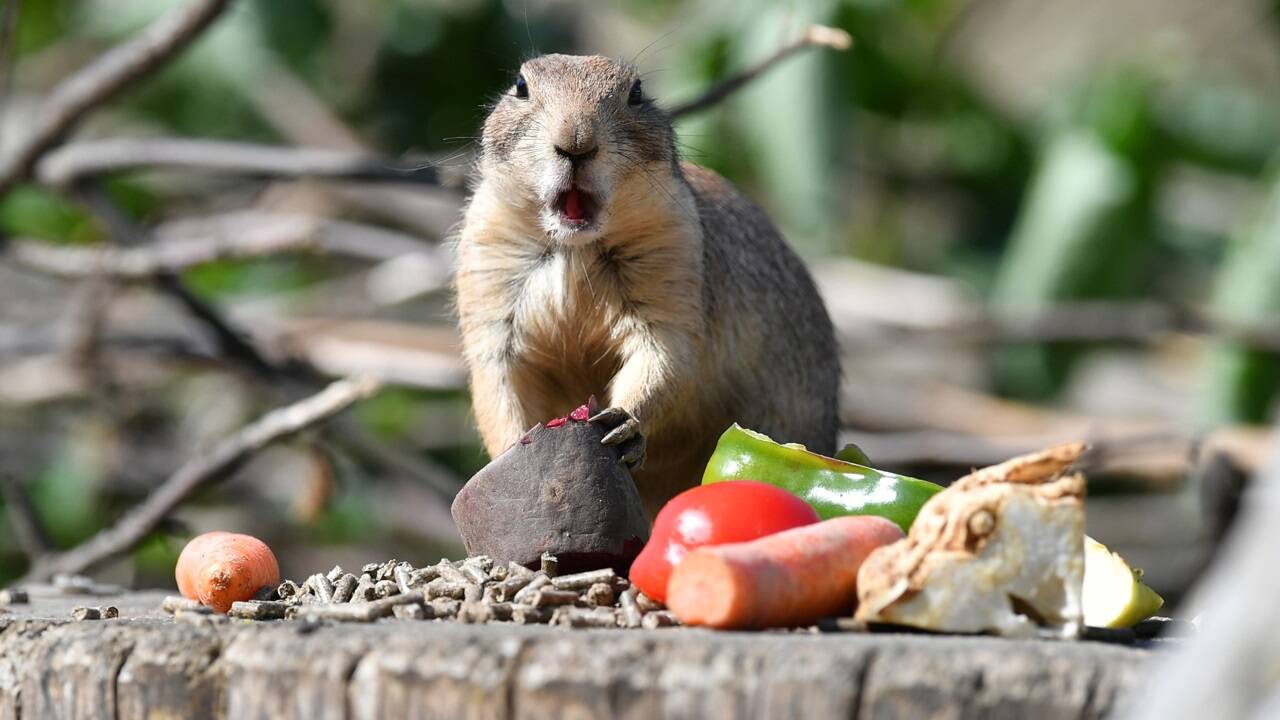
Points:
(560, 491)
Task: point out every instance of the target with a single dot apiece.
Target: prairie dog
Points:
(592, 261)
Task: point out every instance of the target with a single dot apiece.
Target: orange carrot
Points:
(791, 578)
(219, 568)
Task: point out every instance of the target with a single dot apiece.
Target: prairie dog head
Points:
(570, 137)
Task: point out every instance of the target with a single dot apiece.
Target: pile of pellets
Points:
(474, 590)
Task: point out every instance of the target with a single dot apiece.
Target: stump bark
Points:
(146, 664)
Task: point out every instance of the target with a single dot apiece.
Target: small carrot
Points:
(219, 568)
(787, 579)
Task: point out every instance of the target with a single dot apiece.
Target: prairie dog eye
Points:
(522, 88)
(637, 94)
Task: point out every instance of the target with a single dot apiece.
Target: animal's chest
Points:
(571, 307)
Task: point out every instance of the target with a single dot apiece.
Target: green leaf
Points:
(1078, 236)
(39, 213)
(786, 117)
(1241, 383)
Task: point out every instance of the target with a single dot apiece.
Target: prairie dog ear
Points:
(999, 551)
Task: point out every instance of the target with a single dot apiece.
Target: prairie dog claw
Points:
(610, 417)
(625, 433)
(628, 429)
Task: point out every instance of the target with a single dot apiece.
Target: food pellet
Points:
(473, 590)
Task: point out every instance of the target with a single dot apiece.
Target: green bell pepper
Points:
(833, 487)
(853, 454)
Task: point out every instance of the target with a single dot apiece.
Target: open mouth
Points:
(576, 207)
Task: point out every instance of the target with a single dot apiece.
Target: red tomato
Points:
(723, 512)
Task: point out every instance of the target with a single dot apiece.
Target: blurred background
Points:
(1032, 220)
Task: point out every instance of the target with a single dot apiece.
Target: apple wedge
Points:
(1114, 594)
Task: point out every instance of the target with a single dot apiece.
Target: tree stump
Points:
(147, 664)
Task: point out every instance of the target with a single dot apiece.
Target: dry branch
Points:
(102, 80)
(76, 161)
(340, 237)
(424, 471)
(939, 311)
(184, 244)
(142, 263)
(1158, 459)
(1104, 321)
(231, 342)
(203, 470)
(1113, 321)
(21, 340)
(815, 36)
(85, 322)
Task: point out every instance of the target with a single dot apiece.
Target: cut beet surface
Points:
(560, 491)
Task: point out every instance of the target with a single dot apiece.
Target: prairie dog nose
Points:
(580, 156)
(577, 142)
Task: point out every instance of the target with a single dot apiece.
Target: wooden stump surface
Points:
(146, 664)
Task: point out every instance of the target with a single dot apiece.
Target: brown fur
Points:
(682, 304)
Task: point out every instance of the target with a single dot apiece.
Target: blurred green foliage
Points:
(1241, 381)
(847, 150)
(29, 210)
